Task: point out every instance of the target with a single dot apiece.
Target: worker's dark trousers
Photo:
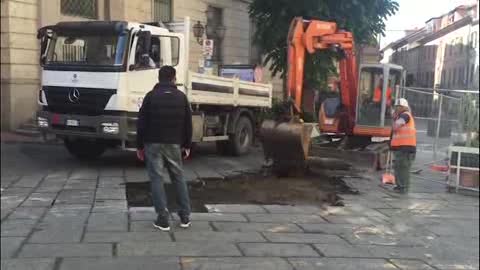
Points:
(160, 159)
(403, 163)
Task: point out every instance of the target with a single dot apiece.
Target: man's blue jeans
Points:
(160, 159)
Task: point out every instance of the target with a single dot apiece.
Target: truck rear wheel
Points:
(85, 149)
(241, 141)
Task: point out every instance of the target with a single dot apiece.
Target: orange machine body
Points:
(313, 35)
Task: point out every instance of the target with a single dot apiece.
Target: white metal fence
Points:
(443, 118)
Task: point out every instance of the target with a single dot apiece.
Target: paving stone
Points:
(136, 176)
(111, 182)
(67, 213)
(103, 206)
(419, 204)
(328, 228)
(29, 181)
(209, 249)
(60, 174)
(234, 263)
(132, 263)
(189, 174)
(81, 184)
(18, 191)
(234, 208)
(288, 218)
(58, 232)
(39, 200)
(74, 196)
(290, 209)
(354, 210)
(47, 187)
(344, 250)
(340, 264)
(384, 240)
(17, 227)
(28, 213)
(65, 250)
(256, 227)
(85, 174)
(111, 172)
(142, 215)
(4, 212)
(6, 180)
(217, 217)
(410, 264)
(356, 220)
(448, 227)
(303, 238)
(146, 226)
(108, 222)
(115, 237)
(398, 252)
(28, 264)
(186, 236)
(9, 245)
(111, 194)
(277, 250)
(12, 201)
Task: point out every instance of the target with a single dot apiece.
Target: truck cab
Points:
(96, 73)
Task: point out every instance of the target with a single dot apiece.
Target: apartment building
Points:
(443, 53)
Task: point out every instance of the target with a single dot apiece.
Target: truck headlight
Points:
(42, 122)
(110, 128)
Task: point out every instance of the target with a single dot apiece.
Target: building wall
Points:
(19, 61)
(447, 59)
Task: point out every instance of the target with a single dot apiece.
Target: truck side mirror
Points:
(43, 36)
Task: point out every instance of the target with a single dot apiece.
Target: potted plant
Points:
(464, 156)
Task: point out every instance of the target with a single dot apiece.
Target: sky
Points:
(414, 13)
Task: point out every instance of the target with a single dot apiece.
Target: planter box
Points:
(464, 171)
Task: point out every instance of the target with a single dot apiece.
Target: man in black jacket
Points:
(164, 132)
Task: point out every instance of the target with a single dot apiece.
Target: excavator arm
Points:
(309, 36)
(288, 143)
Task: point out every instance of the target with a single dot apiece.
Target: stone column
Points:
(20, 72)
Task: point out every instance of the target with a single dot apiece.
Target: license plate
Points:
(72, 123)
(329, 121)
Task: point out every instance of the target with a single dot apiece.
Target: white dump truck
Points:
(96, 73)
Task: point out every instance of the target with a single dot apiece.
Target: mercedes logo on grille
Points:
(74, 95)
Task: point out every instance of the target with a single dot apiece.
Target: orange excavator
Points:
(353, 115)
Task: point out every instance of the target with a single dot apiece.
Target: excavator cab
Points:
(377, 88)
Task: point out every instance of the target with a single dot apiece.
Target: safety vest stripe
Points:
(403, 136)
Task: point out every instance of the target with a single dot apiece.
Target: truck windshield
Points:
(87, 50)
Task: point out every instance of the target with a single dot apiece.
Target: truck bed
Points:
(215, 90)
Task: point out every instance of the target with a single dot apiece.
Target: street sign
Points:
(208, 48)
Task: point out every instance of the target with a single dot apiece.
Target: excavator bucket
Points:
(286, 144)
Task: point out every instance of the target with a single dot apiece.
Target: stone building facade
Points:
(20, 19)
(443, 53)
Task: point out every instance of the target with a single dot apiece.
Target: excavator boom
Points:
(287, 143)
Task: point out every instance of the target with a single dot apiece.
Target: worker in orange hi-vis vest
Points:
(403, 144)
(377, 94)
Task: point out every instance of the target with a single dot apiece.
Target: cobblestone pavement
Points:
(57, 214)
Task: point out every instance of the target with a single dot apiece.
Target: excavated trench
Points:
(322, 185)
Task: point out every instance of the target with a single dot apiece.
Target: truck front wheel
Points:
(85, 149)
(241, 141)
